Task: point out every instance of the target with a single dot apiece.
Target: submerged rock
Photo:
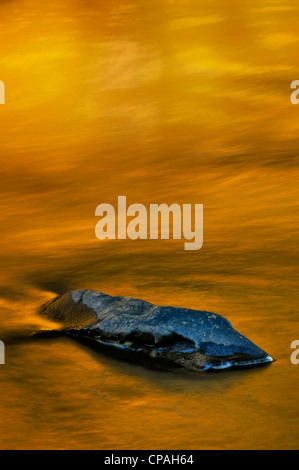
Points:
(165, 337)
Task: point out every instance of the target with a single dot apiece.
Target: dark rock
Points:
(153, 335)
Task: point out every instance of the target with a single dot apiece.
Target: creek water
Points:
(175, 101)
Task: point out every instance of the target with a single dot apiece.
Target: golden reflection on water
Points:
(176, 101)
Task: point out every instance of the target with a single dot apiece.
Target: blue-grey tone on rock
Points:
(158, 336)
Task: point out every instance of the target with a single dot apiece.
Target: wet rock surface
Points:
(164, 337)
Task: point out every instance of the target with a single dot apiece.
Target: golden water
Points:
(161, 101)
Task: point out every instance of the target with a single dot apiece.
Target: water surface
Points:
(174, 101)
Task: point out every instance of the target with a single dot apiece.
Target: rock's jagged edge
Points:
(164, 337)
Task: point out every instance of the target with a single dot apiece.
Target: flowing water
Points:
(181, 101)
